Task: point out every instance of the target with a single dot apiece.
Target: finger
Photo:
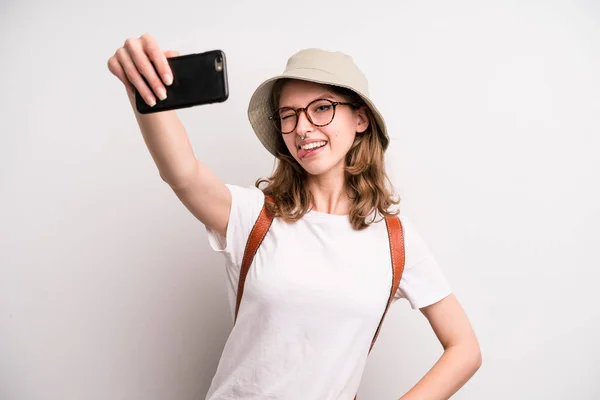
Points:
(115, 67)
(145, 68)
(133, 75)
(158, 58)
(171, 53)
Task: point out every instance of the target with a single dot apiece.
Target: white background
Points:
(108, 288)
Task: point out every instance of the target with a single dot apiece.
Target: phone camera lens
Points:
(219, 63)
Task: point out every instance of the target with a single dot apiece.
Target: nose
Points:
(304, 125)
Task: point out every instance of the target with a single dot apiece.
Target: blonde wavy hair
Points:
(370, 187)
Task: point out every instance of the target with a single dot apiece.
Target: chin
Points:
(318, 168)
(316, 171)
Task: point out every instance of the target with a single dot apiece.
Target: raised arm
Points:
(198, 188)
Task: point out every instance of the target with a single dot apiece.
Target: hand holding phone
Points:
(166, 81)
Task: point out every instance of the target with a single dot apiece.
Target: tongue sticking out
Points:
(303, 153)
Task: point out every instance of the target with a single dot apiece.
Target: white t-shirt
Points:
(313, 298)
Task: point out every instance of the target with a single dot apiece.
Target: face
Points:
(334, 140)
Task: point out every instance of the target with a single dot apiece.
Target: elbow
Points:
(475, 357)
(479, 360)
(470, 356)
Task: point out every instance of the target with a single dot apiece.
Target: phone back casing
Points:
(196, 81)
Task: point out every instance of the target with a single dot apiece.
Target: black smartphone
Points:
(199, 78)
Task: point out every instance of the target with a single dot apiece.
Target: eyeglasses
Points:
(320, 112)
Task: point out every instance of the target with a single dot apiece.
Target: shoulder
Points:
(246, 205)
(416, 247)
(245, 190)
(246, 196)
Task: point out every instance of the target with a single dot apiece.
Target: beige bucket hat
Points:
(312, 65)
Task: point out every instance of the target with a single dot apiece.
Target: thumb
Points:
(171, 53)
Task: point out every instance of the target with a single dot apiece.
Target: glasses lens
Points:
(321, 112)
(285, 120)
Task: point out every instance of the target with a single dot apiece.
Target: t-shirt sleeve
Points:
(246, 204)
(423, 282)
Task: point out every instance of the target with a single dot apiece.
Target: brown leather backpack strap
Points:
(396, 238)
(257, 234)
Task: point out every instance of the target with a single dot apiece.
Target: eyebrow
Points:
(325, 95)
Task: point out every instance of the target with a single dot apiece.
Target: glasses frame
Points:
(334, 104)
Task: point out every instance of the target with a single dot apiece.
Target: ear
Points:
(362, 122)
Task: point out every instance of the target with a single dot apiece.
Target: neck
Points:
(330, 193)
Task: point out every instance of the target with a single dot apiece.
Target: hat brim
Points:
(259, 109)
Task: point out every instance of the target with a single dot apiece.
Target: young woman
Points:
(319, 283)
